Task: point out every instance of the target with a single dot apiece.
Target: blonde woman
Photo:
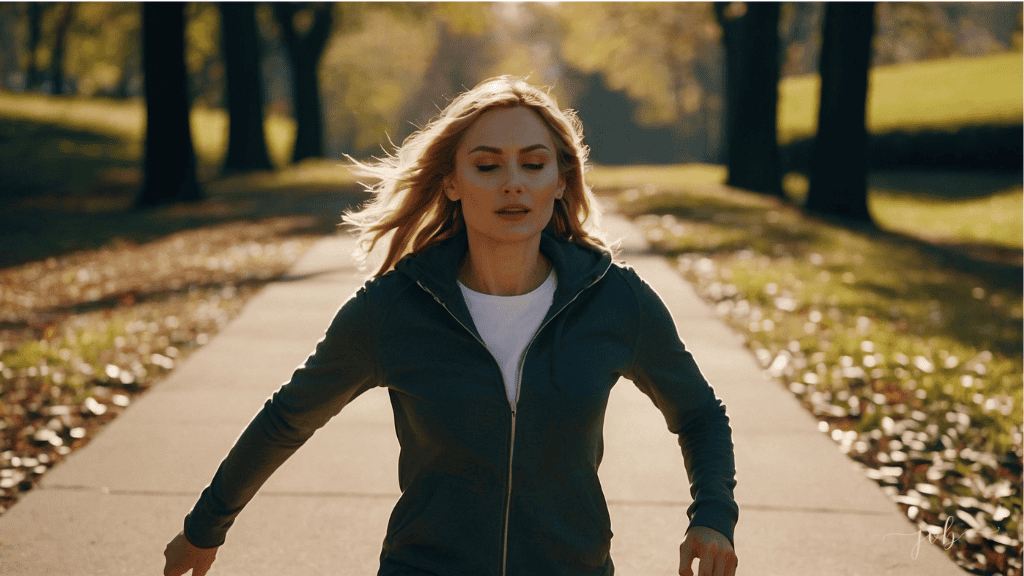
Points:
(498, 323)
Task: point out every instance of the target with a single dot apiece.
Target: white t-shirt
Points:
(507, 323)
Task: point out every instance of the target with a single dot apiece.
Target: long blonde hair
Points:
(409, 203)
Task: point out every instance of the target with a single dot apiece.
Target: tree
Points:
(838, 182)
(247, 145)
(170, 161)
(651, 52)
(35, 32)
(305, 30)
(751, 39)
(59, 47)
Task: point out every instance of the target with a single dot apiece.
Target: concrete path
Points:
(109, 509)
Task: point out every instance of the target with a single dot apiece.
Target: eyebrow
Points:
(494, 150)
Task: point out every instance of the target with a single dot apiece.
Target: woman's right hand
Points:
(182, 556)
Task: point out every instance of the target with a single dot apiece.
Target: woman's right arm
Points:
(343, 366)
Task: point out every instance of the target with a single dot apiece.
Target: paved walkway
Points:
(805, 508)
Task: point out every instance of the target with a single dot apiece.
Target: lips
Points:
(512, 212)
(512, 209)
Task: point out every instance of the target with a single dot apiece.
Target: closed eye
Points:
(533, 166)
(486, 167)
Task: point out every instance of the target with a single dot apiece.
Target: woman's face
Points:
(506, 175)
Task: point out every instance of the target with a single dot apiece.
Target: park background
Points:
(870, 254)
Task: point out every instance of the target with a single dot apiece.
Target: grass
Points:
(973, 210)
(909, 354)
(123, 122)
(619, 177)
(97, 301)
(937, 94)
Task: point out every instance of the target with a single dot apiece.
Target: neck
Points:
(502, 269)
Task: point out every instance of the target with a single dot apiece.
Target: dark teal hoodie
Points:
(492, 487)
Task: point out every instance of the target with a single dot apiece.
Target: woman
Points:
(499, 324)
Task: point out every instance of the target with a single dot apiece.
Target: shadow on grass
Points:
(46, 161)
(996, 266)
(888, 268)
(35, 232)
(67, 190)
(949, 185)
(757, 223)
(46, 316)
(767, 225)
(979, 148)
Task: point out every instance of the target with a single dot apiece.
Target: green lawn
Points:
(935, 94)
(969, 208)
(124, 121)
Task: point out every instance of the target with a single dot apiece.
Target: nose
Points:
(514, 184)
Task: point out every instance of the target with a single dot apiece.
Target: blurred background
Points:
(842, 181)
(648, 80)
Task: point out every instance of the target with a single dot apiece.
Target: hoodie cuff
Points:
(200, 538)
(718, 517)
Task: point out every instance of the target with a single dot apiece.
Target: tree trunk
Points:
(247, 145)
(170, 161)
(751, 40)
(838, 182)
(305, 42)
(59, 43)
(35, 27)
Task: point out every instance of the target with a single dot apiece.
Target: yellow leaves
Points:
(469, 17)
(373, 70)
(645, 50)
(202, 35)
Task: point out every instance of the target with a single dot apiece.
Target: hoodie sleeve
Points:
(342, 367)
(664, 370)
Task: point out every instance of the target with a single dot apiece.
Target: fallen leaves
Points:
(83, 335)
(912, 367)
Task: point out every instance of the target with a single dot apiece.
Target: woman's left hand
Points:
(717, 557)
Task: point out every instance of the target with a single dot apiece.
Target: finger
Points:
(724, 562)
(202, 566)
(168, 569)
(707, 564)
(686, 556)
(730, 565)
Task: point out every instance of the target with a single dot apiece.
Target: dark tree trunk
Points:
(305, 43)
(247, 145)
(838, 182)
(59, 43)
(35, 27)
(751, 40)
(170, 161)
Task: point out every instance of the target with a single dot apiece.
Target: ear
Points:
(449, 188)
(560, 191)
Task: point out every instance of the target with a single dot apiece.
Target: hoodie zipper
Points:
(515, 400)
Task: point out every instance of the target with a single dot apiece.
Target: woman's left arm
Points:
(666, 372)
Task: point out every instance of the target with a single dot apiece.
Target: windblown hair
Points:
(408, 200)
